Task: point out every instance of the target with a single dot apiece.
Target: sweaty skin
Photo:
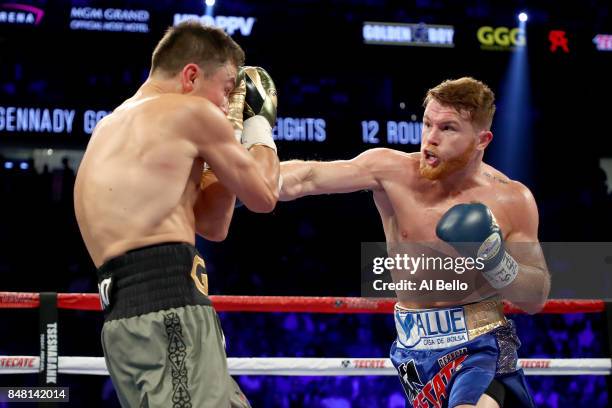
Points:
(139, 181)
(411, 204)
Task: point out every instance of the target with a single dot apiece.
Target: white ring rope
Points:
(311, 366)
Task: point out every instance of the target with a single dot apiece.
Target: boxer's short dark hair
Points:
(191, 42)
(466, 94)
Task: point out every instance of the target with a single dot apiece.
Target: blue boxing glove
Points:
(472, 230)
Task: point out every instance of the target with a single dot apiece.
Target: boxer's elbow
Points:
(274, 197)
(267, 194)
(298, 180)
(265, 202)
(292, 188)
(531, 308)
(536, 298)
(261, 193)
(215, 232)
(214, 236)
(541, 295)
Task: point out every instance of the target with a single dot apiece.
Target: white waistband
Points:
(430, 329)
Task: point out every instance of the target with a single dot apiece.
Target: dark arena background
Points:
(351, 75)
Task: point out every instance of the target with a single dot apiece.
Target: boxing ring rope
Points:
(297, 366)
(91, 301)
(309, 366)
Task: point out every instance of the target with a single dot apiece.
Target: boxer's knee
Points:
(485, 401)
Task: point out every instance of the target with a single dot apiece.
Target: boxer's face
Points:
(448, 141)
(215, 85)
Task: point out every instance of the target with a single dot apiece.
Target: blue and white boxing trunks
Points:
(449, 356)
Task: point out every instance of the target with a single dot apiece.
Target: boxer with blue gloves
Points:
(457, 350)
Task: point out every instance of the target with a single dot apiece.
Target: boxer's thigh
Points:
(207, 375)
(135, 350)
(166, 358)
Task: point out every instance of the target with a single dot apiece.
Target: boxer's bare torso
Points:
(410, 207)
(138, 181)
(413, 191)
(141, 180)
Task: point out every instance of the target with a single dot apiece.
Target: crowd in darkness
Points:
(43, 251)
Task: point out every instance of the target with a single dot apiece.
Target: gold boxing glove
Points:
(236, 104)
(259, 113)
(260, 98)
(234, 115)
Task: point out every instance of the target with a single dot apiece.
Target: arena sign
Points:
(55, 120)
(230, 24)
(109, 19)
(500, 38)
(20, 14)
(420, 35)
(300, 130)
(603, 42)
(391, 132)
(59, 120)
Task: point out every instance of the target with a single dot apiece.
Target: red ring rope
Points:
(91, 301)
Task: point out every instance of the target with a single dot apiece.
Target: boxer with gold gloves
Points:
(141, 197)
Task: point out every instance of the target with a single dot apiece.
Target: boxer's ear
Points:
(189, 74)
(484, 138)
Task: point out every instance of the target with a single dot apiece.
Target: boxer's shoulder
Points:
(509, 199)
(185, 106)
(494, 177)
(521, 206)
(389, 165)
(168, 105)
(186, 115)
(383, 158)
(397, 156)
(504, 185)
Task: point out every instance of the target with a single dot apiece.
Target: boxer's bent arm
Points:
(302, 178)
(268, 163)
(214, 138)
(214, 208)
(529, 291)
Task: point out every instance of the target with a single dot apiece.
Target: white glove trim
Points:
(504, 273)
(257, 131)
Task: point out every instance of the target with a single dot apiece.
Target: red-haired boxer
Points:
(460, 350)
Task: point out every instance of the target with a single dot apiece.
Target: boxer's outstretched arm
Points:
(246, 174)
(529, 291)
(302, 178)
